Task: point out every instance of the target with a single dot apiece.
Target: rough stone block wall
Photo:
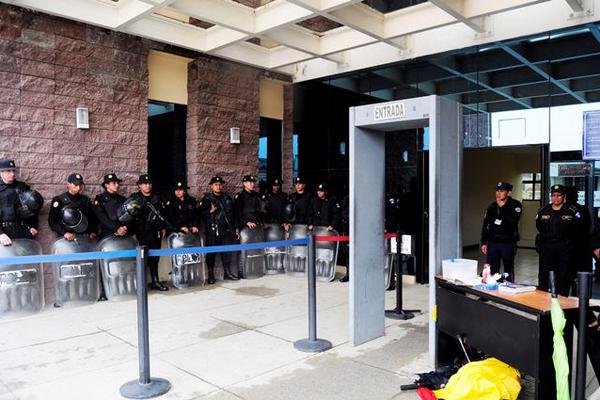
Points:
(222, 95)
(288, 133)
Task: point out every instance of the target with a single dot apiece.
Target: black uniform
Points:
(105, 209)
(219, 227)
(556, 244)
(275, 207)
(247, 208)
(324, 212)
(183, 213)
(79, 201)
(582, 257)
(148, 226)
(500, 233)
(300, 203)
(11, 223)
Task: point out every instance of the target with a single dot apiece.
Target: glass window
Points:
(532, 186)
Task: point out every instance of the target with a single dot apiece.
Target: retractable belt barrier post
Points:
(312, 344)
(398, 312)
(584, 292)
(145, 387)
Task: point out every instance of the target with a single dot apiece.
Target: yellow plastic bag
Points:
(489, 379)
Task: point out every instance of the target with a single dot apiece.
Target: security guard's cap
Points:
(111, 177)
(322, 187)
(75, 179)
(277, 182)
(144, 178)
(8, 165)
(216, 179)
(181, 186)
(299, 180)
(248, 178)
(558, 189)
(504, 186)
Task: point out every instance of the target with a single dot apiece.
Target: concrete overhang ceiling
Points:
(314, 38)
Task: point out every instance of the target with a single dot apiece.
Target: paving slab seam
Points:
(119, 338)
(51, 341)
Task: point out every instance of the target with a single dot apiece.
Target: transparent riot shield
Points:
(252, 262)
(75, 282)
(294, 262)
(118, 274)
(325, 254)
(390, 262)
(187, 269)
(274, 255)
(21, 286)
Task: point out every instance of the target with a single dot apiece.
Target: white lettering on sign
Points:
(389, 111)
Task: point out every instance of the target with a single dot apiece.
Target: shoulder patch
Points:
(55, 204)
(518, 209)
(168, 202)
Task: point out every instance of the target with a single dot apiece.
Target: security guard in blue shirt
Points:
(557, 224)
(500, 231)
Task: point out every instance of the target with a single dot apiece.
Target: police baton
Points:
(312, 344)
(145, 387)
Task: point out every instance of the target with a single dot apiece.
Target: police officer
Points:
(182, 210)
(557, 225)
(500, 230)
(323, 210)
(106, 206)
(216, 210)
(19, 206)
(298, 204)
(247, 205)
(274, 203)
(71, 212)
(151, 225)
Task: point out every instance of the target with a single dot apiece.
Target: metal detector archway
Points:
(367, 185)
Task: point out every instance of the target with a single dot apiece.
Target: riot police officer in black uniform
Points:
(298, 204)
(216, 210)
(71, 212)
(323, 210)
(247, 206)
(182, 210)
(19, 206)
(151, 225)
(106, 206)
(274, 203)
(500, 231)
(557, 224)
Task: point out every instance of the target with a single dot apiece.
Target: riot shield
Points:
(118, 274)
(274, 255)
(252, 262)
(325, 255)
(294, 262)
(390, 262)
(186, 269)
(21, 286)
(75, 282)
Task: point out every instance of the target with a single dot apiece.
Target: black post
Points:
(145, 387)
(584, 292)
(398, 312)
(312, 344)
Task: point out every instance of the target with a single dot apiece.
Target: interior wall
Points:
(481, 170)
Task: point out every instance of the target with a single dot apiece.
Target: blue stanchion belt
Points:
(102, 255)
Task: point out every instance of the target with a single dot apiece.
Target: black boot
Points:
(228, 276)
(157, 285)
(345, 278)
(211, 276)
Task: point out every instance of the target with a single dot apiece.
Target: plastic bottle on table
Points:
(486, 273)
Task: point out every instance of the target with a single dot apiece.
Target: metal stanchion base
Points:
(136, 390)
(312, 346)
(401, 314)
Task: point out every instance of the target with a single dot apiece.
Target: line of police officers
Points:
(145, 215)
(564, 242)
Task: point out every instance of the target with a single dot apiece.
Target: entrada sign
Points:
(389, 111)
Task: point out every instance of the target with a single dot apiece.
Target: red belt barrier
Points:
(346, 238)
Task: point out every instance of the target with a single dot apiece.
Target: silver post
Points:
(312, 344)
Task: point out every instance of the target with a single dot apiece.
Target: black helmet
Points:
(129, 211)
(31, 203)
(74, 219)
(289, 211)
